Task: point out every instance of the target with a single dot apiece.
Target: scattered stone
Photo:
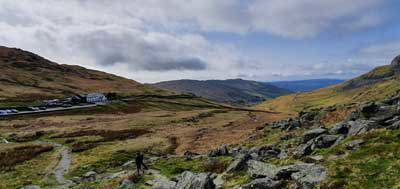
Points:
(239, 164)
(163, 184)
(31, 187)
(325, 141)
(361, 126)
(257, 169)
(127, 184)
(263, 183)
(188, 155)
(89, 176)
(304, 149)
(339, 128)
(308, 175)
(354, 145)
(189, 180)
(313, 134)
(220, 151)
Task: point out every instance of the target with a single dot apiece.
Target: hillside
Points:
(232, 91)
(377, 84)
(25, 75)
(306, 85)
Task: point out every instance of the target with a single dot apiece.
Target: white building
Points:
(95, 98)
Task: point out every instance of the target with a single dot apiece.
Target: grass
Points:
(375, 165)
(34, 171)
(11, 155)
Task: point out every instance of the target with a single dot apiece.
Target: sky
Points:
(158, 40)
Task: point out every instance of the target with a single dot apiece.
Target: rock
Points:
(189, 180)
(263, 183)
(127, 184)
(361, 126)
(368, 108)
(257, 169)
(308, 118)
(384, 113)
(313, 134)
(239, 164)
(163, 184)
(339, 128)
(264, 152)
(394, 126)
(304, 149)
(188, 155)
(354, 145)
(308, 175)
(89, 176)
(220, 151)
(325, 141)
(314, 159)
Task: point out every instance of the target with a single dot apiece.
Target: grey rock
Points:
(189, 180)
(304, 149)
(313, 134)
(263, 183)
(257, 169)
(220, 151)
(31, 187)
(308, 175)
(163, 184)
(339, 128)
(361, 126)
(239, 164)
(368, 108)
(89, 176)
(355, 144)
(325, 141)
(394, 126)
(127, 184)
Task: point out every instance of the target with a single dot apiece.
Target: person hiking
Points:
(139, 162)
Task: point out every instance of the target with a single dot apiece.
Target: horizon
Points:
(255, 40)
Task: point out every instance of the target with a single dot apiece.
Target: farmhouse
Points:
(95, 98)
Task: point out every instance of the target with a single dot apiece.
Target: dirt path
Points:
(62, 168)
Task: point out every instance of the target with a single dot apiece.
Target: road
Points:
(50, 110)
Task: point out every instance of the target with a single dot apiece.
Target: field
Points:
(104, 138)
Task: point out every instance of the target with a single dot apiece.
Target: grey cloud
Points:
(136, 51)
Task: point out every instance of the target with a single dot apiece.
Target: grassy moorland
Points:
(103, 138)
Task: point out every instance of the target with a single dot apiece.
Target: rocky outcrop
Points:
(308, 175)
(361, 126)
(311, 134)
(263, 183)
(189, 180)
(257, 169)
(220, 151)
(239, 164)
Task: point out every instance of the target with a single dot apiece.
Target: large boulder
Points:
(361, 126)
(368, 109)
(325, 141)
(258, 169)
(163, 184)
(89, 176)
(304, 149)
(311, 134)
(189, 180)
(308, 175)
(239, 164)
(263, 183)
(220, 151)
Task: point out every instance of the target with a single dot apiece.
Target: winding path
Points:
(62, 168)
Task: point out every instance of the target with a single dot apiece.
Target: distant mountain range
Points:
(232, 91)
(305, 85)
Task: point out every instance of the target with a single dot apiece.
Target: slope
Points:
(377, 84)
(233, 91)
(25, 75)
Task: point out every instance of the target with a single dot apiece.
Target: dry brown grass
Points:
(14, 154)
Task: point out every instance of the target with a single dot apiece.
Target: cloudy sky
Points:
(155, 40)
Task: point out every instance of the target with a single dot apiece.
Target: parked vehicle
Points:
(33, 108)
(2, 112)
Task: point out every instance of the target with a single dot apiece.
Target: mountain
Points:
(233, 91)
(25, 75)
(305, 85)
(377, 84)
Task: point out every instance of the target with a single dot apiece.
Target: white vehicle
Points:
(14, 111)
(2, 112)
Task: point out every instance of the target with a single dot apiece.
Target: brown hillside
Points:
(27, 75)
